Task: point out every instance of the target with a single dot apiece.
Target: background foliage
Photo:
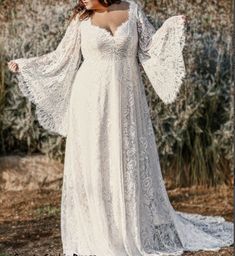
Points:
(194, 134)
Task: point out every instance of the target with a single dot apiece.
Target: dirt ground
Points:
(30, 220)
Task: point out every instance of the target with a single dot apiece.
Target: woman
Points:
(114, 202)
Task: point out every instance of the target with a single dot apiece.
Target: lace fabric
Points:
(161, 54)
(114, 200)
(47, 80)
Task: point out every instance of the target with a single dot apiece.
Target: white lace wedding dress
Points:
(114, 202)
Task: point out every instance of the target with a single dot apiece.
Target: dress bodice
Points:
(98, 43)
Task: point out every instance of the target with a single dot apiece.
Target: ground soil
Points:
(30, 220)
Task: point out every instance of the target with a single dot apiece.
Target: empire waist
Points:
(111, 58)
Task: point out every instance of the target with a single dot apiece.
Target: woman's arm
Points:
(47, 80)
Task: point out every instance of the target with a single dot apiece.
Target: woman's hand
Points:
(185, 18)
(13, 66)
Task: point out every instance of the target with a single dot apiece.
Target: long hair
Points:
(83, 13)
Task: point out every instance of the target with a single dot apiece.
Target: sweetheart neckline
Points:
(113, 35)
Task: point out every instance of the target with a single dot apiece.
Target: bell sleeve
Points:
(160, 54)
(47, 80)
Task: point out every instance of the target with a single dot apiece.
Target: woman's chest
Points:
(98, 40)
